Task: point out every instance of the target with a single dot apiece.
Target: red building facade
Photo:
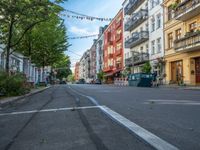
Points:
(113, 48)
(76, 72)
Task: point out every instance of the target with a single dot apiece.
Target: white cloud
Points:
(82, 31)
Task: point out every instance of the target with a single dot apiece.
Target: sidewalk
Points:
(10, 100)
(181, 87)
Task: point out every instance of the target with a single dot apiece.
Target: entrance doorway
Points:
(197, 68)
(177, 72)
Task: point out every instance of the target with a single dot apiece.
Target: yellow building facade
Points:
(182, 41)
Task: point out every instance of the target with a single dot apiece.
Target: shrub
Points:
(13, 85)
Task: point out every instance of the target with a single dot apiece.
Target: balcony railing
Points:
(118, 37)
(110, 42)
(187, 9)
(136, 20)
(129, 62)
(110, 55)
(137, 39)
(109, 68)
(118, 52)
(118, 24)
(139, 58)
(136, 59)
(132, 6)
(118, 66)
(190, 42)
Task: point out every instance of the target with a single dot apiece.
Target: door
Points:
(176, 71)
(197, 68)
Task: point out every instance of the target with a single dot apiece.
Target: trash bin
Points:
(140, 80)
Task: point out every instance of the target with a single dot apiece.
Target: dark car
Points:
(97, 81)
(63, 82)
(81, 81)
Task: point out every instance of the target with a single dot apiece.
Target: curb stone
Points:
(10, 101)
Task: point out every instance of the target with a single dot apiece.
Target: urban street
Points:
(74, 117)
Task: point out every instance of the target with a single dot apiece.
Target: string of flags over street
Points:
(76, 15)
(82, 37)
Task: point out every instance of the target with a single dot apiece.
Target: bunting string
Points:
(82, 37)
(76, 15)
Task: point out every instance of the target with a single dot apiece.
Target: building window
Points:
(152, 24)
(147, 26)
(159, 45)
(178, 34)
(153, 47)
(141, 49)
(158, 21)
(152, 3)
(170, 13)
(147, 48)
(193, 26)
(170, 40)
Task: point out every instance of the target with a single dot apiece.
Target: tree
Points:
(146, 68)
(19, 17)
(63, 67)
(100, 75)
(71, 78)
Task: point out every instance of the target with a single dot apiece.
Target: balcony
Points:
(137, 39)
(118, 66)
(140, 58)
(110, 42)
(118, 37)
(109, 68)
(137, 19)
(132, 6)
(118, 24)
(187, 9)
(110, 55)
(129, 62)
(118, 52)
(137, 59)
(190, 42)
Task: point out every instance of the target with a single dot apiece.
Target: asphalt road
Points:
(67, 117)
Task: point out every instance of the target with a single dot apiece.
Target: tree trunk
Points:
(9, 46)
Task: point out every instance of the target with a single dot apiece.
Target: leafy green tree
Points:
(101, 75)
(71, 78)
(146, 68)
(18, 17)
(63, 67)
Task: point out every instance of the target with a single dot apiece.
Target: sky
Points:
(76, 27)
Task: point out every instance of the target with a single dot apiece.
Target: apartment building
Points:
(113, 48)
(93, 60)
(182, 41)
(99, 50)
(76, 71)
(156, 36)
(136, 34)
(84, 68)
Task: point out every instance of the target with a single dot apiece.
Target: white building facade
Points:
(136, 34)
(156, 36)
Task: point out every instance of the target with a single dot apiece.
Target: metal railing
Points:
(137, 39)
(136, 20)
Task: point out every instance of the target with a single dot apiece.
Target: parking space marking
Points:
(48, 110)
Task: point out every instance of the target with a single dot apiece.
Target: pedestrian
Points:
(155, 83)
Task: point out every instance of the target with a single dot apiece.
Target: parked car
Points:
(63, 82)
(81, 81)
(97, 81)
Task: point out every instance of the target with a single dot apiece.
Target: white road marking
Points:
(140, 132)
(48, 110)
(172, 102)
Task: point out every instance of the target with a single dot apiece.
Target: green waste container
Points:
(140, 80)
